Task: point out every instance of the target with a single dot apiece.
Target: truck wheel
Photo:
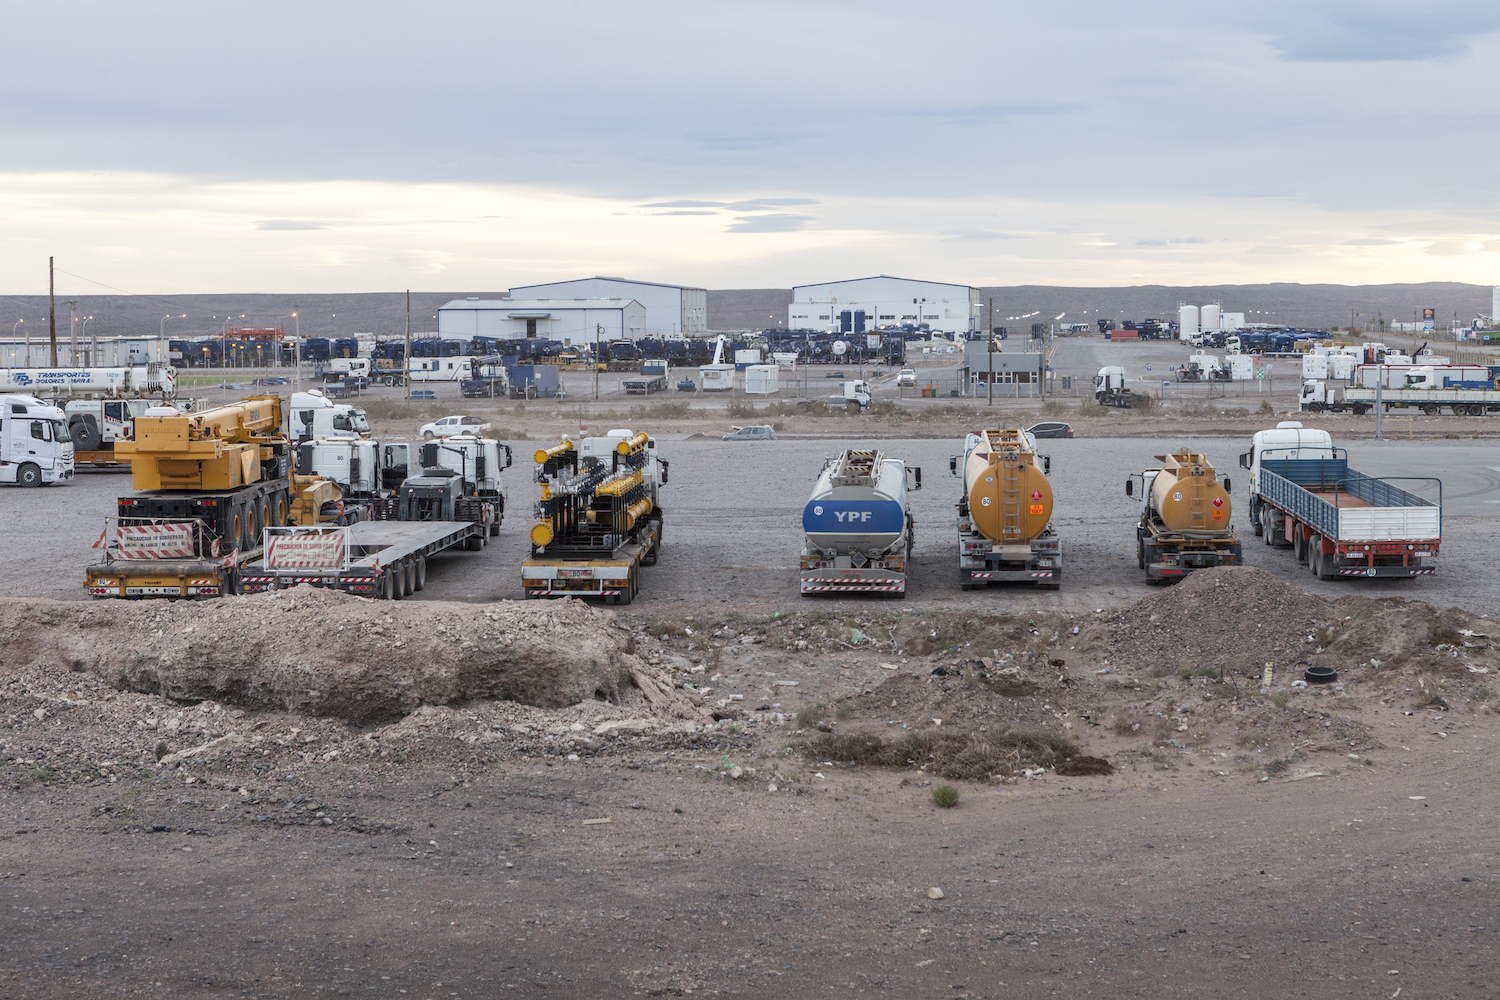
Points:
(1429, 409)
(237, 529)
(1140, 554)
(29, 475)
(1314, 553)
(1299, 547)
(397, 576)
(85, 433)
(278, 510)
(262, 515)
(408, 577)
(1360, 409)
(383, 586)
(419, 579)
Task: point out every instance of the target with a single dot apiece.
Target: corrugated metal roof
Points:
(533, 305)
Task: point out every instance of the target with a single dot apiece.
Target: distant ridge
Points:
(384, 313)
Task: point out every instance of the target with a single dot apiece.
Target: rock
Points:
(736, 772)
(917, 647)
(161, 749)
(622, 726)
(934, 893)
(173, 758)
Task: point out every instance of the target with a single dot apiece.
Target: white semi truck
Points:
(35, 449)
(313, 415)
(852, 396)
(859, 531)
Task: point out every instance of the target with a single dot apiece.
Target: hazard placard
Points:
(1036, 509)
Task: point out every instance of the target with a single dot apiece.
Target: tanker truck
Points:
(1005, 515)
(1185, 514)
(859, 531)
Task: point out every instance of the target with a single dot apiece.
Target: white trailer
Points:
(160, 379)
(35, 449)
(762, 380)
(439, 369)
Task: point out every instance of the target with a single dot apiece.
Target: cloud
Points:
(1270, 249)
(686, 211)
(780, 222)
(1150, 243)
(1370, 242)
(976, 235)
(746, 143)
(1390, 30)
(1493, 246)
(684, 204)
(287, 225)
(989, 114)
(766, 204)
(1448, 249)
(1173, 241)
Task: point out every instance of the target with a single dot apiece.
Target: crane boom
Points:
(216, 449)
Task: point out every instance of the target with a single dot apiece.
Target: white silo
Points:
(1187, 321)
(1495, 308)
(1210, 317)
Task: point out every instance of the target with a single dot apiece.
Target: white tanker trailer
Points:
(135, 381)
(859, 531)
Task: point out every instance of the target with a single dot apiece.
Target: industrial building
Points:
(1011, 373)
(865, 303)
(570, 320)
(671, 310)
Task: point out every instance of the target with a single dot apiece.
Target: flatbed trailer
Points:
(1462, 402)
(614, 575)
(644, 385)
(381, 559)
(163, 558)
(1343, 523)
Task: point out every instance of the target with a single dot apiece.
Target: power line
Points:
(122, 291)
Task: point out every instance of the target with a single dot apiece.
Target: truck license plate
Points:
(576, 574)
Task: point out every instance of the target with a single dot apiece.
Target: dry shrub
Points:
(1126, 721)
(956, 755)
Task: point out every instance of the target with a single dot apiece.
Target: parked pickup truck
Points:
(1340, 522)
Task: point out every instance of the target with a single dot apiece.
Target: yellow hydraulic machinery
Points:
(598, 521)
(222, 448)
(1185, 517)
(1005, 515)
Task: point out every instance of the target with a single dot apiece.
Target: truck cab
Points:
(35, 447)
(1288, 441)
(313, 415)
(94, 423)
(852, 394)
(478, 460)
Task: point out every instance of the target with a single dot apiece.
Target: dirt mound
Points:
(955, 755)
(326, 653)
(1232, 618)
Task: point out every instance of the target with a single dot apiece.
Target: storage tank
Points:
(1187, 321)
(1008, 495)
(1209, 317)
(1187, 495)
(858, 503)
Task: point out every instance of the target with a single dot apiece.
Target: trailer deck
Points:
(383, 559)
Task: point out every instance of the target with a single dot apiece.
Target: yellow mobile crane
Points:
(208, 483)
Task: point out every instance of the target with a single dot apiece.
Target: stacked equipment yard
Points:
(599, 520)
(1185, 518)
(1005, 515)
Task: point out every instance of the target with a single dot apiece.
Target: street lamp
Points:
(164, 322)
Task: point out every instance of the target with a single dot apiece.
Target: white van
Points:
(35, 448)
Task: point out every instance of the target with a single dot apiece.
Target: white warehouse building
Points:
(885, 301)
(671, 310)
(571, 320)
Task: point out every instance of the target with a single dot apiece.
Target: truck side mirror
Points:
(1227, 488)
(918, 476)
(1046, 465)
(1130, 487)
(1245, 460)
(952, 465)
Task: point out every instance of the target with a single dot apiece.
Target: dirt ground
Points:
(689, 834)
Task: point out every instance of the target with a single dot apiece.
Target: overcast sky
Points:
(166, 147)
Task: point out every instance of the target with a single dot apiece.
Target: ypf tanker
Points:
(1185, 518)
(1005, 516)
(859, 531)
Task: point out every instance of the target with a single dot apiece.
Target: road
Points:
(733, 516)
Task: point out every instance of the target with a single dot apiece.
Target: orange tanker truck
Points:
(1005, 515)
(1185, 518)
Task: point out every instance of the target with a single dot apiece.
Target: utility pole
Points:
(990, 344)
(52, 308)
(406, 352)
(598, 329)
(73, 332)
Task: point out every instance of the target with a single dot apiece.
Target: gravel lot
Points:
(734, 513)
